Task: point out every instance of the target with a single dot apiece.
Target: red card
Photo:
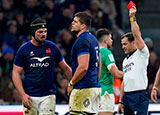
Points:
(130, 4)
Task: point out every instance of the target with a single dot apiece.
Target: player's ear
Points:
(83, 26)
(105, 40)
(133, 42)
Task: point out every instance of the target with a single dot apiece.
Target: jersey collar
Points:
(131, 53)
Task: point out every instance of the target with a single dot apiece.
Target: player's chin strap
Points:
(35, 27)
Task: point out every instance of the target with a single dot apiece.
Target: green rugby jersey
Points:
(106, 79)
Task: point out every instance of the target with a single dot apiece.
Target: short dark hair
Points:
(101, 32)
(129, 35)
(84, 18)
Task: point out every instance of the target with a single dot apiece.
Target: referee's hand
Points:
(132, 12)
(154, 96)
(120, 108)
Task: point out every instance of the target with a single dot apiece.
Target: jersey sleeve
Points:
(145, 52)
(59, 56)
(18, 60)
(83, 47)
(109, 59)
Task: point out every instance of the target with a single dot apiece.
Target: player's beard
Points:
(40, 41)
(109, 46)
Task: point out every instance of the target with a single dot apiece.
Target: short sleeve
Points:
(109, 59)
(18, 60)
(145, 52)
(83, 47)
(59, 57)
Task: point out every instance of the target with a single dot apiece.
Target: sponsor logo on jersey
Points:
(39, 64)
(31, 53)
(40, 60)
(128, 67)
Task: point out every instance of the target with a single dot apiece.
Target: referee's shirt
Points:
(135, 70)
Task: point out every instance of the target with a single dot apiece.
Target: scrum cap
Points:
(37, 24)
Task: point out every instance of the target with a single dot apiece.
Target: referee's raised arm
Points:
(135, 29)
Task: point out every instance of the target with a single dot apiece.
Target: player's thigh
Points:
(47, 105)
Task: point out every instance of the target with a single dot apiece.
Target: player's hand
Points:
(132, 12)
(154, 96)
(26, 99)
(120, 109)
(69, 89)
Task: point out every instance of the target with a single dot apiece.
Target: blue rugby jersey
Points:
(86, 43)
(38, 63)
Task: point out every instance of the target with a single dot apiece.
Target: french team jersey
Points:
(86, 43)
(38, 63)
(135, 70)
(106, 79)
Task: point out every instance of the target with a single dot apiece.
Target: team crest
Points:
(48, 51)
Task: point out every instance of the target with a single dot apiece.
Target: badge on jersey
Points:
(111, 57)
(31, 53)
(48, 51)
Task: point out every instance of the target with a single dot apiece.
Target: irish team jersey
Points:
(135, 70)
(106, 79)
(86, 43)
(38, 64)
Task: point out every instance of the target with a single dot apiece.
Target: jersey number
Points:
(97, 58)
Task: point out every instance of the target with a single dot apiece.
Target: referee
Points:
(135, 98)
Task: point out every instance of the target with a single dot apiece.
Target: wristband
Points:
(120, 102)
(154, 88)
(71, 83)
(132, 19)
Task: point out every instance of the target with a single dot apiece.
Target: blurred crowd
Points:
(15, 17)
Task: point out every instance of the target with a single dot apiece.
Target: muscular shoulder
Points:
(24, 46)
(51, 44)
(47, 42)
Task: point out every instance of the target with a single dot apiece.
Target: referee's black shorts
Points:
(136, 103)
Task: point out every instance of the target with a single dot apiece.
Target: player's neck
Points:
(103, 45)
(83, 30)
(35, 43)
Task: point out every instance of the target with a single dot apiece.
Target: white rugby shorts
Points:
(107, 103)
(85, 100)
(41, 106)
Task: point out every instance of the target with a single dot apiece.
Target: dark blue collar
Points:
(131, 54)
